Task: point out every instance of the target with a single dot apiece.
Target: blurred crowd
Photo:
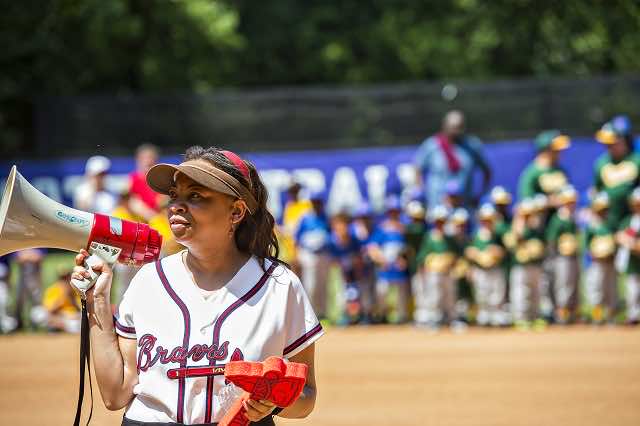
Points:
(449, 251)
(451, 257)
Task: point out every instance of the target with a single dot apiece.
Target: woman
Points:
(224, 298)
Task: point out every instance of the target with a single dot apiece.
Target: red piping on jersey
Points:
(308, 335)
(218, 326)
(184, 372)
(185, 339)
(123, 328)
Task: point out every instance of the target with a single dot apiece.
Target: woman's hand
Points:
(257, 410)
(102, 288)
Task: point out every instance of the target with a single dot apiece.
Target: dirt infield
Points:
(395, 376)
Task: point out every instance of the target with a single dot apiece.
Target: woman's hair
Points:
(256, 233)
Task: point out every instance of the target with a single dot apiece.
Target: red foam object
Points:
(272, 380)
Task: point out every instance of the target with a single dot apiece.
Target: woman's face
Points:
(199, 217)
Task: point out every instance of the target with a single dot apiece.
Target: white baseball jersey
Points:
(179, 331)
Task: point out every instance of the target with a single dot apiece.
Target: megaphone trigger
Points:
(99, 253)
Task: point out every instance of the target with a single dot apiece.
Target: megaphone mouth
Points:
(6, 196)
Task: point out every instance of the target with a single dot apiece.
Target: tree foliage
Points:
(71, 47)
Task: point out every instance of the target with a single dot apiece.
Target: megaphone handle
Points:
(99, 253)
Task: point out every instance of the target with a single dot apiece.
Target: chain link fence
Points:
(327, 117)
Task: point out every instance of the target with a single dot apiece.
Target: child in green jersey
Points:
(413, 234)
(461, 296)
(562, 238)
(487, 255)
(543, 175)
(617, 172)
(600, 280)
(525, 242)
(628, 257)
(436, 258)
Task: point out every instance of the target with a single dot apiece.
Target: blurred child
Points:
(462, 296)
(312, 240)
(29, 288)
(388, 249)
(562, 239)
(294, 209)
(91, 195)
(501, 200)
(436, 258)
(414, 233)
(361, 229)
(454, 195)
(345, 251)
(600, 280)
(7, 322)
(543, 211)
(487, 253)
(525, 242)
(628, 257)
(62, 304)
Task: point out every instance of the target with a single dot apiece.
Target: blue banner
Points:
(347, 176)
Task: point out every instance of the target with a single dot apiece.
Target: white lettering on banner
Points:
(312, 180)
(406, 173)
(376, 177)
(276, 181)
(344, 195)
(344, 192)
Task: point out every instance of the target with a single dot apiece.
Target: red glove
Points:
(272, 380)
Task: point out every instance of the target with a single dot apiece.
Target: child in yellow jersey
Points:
(62, 305)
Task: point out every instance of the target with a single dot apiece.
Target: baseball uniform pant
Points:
(315, 268)
(367, 289)
(419, 289)
(524, 291)
(633, 297)
(402, 299)
(547, 279)
(600, 286)
(440, 298)
(565, 286)
(29, 290)
(489, 291)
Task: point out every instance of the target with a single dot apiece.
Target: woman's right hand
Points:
(102, 288)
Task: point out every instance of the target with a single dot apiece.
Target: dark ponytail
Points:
(256, 234)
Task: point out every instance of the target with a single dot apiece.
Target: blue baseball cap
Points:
(392, 203)
(454, 188)
(364, 209)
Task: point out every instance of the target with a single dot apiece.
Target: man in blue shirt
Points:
(451, 155)
(312, 240)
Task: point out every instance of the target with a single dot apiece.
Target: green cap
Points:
(553, 140)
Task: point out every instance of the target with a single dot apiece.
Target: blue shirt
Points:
(313, 233)
(345, 253)
(393, 245)
(432, 162)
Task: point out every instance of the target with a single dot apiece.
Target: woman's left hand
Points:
(257, 410)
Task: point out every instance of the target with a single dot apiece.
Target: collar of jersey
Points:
(238, 285)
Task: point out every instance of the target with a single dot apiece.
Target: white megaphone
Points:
(29, 219)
